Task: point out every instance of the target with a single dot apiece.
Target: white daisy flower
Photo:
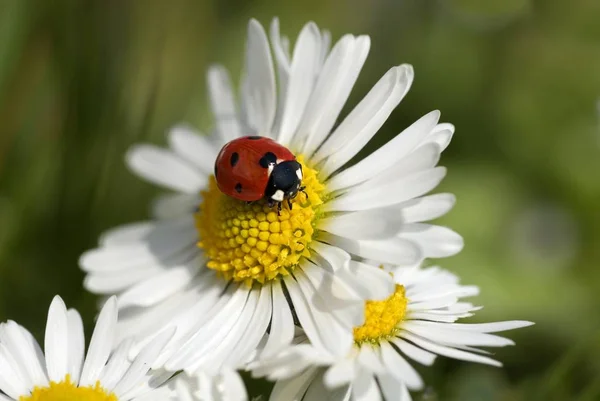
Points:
(226, 273)
(63, 372)
(416, 323)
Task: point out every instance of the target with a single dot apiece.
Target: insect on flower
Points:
(251, 168)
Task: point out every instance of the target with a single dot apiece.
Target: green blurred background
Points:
(81, 80)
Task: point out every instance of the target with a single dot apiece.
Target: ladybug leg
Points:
(289, 202)
(278, 208)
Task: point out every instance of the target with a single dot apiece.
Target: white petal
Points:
(231, 337)
(333, 255)
(371, 224)
(386, 156)
(332, 89)
(395, 251)
(292, 389)
(10, 381)
(442, 291)
(260, 103)
(317, 390)
(290, 362)
(325, 45)
(222, 102)
(392, 388)
(115, 282)
(76, 344)
(335, 335)
(162, 167)
(163, 244)
(201, 310)
(441, 135)
(174, 205)
(435, 241)
(128, 233)
(371, 359)
(255, 330)
(303, 310)
(279, 49)
(448, 351)
(426, 208)
(209, 334)
(445, 334)
(117, 365)
(193, 147)
(364, 388)
(56, 342)
(370, 282)
(23, 355)
(424, 158)
(302, 73)
(441, 302)
(396, 365)
(366, 119)
(335, 293)
(233, 386)
(492, 327)
(401, 190)
(100, 344)
(183, 388)
(142, 363)
(4, 397)
(341, 373)
(282, 323)
(415, 353)
(157, 288)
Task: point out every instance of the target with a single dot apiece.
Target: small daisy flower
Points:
(227, 273)
(63, 372)
(415, 323)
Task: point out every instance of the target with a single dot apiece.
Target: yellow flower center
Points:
(249, 242)
(382, 318)
(66, 390)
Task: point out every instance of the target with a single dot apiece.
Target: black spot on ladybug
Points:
(268, 159)
(255, 137)
(234, 159)
(216, 171)
(238, 188)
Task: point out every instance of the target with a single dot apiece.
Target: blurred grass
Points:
(82, 80)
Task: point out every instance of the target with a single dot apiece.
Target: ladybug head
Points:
(284, 181)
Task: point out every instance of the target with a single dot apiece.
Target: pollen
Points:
(382, 318)
(250, 242)
(66, 390)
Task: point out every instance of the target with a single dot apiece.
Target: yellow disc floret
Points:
(251, 242)
(66, 390)
(382, 318)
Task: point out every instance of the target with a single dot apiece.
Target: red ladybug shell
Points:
(242, 166)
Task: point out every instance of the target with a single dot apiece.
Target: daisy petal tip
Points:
(58, 302)
(215, 70)
(111, 305)
(254, 26)
(364, 41)
(518, 324)
(135, 154)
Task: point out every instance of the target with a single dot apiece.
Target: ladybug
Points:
(251, 168)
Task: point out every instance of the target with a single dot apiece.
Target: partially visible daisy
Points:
(227, 273)
(62, 372)
(226, 386)
(416, 323)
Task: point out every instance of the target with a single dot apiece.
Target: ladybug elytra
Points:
(251, 168)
